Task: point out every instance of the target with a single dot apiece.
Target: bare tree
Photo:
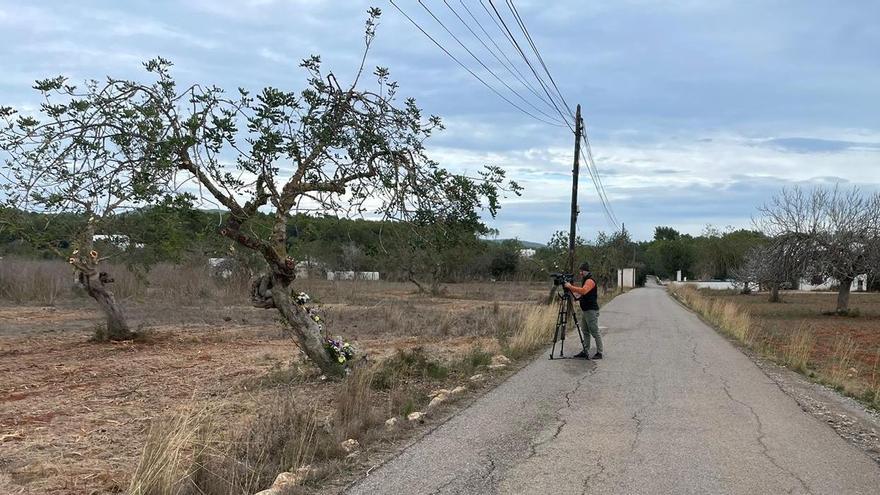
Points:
(846, 239)
(328, 148)
(87, 159)
(829, 233)
(769, 266)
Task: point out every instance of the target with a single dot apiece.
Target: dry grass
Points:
(726, 315)
(834, 350)
(355, 411)
(46, 282)
(33, 281)
(800, 348)
(534, 332)
(183, 455)
(169, 458)
(842, 357)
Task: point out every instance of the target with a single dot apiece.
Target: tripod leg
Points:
(577, 325)
(564, 314)
(560, 319)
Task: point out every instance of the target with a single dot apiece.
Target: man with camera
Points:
(588, 295)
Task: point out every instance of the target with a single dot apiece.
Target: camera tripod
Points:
(566, 310)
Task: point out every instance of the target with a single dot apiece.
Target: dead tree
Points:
(329, 148)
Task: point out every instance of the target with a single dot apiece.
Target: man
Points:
(588, 295)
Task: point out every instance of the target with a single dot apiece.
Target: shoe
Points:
(582, 354)
(598, 355)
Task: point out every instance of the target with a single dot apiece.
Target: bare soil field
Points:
(75, 415)
(840, 351)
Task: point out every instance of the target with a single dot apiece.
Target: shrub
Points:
(407, 365)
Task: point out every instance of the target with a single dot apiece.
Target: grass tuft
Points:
(534, 332)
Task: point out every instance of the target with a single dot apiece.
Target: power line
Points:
(468, 50)
(515, 43)
(510, 66)
(465, 67)
(591, 164)
(551, 89)
(597, 181)
(528, 36)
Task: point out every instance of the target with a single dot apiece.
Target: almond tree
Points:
(845, 244)
(826, 233)
(86, 156)
(330, 148)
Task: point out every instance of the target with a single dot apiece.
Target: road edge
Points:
(850, 419)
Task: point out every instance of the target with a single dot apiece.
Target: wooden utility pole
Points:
(572, 231)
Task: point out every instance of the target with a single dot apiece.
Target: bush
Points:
(407, 365)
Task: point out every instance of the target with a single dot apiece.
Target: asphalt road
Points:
(673, 408)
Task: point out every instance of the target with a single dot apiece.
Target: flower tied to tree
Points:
(339, 349)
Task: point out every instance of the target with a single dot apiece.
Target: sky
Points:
(697, 111)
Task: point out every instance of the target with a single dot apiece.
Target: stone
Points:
(350, 445)
(282, 481)
(436, 401)
(500, 359)
(416, 416)
(458, 390)
(435, 393)
(477, 377)
(497, 366)
(391, 422)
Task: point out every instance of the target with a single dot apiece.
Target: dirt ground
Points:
(805, 310)
(74, 413)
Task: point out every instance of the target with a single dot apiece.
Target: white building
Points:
(859, 284)
(349, 275)
(626, 277)
(118, 240)
(526, 253)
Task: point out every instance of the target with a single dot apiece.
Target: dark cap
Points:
(585, 266)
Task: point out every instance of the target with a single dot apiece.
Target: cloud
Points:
(814, 145)
(697, 111)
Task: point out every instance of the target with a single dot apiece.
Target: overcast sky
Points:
(697, 111)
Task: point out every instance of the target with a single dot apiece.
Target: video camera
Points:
(562, 278)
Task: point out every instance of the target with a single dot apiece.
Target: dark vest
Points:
(590, 300)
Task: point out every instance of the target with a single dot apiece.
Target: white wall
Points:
(626, 277)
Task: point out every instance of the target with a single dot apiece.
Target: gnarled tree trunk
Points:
(117, 324)
(96, 284)
(273, 291)
(843, 296)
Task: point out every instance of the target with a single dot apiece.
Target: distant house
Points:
(350, 275)
(526, 253)
(118, 240)
(859, 284)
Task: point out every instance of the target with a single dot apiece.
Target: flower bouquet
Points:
(339, 349)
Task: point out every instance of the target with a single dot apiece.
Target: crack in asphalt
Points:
(561, 423)
(590, 476)
(637, 416)
(765, 450)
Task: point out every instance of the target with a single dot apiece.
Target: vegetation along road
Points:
(674, 408)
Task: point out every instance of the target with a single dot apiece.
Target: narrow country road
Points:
(674, 408)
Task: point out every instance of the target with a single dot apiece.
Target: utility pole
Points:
(572, 234)
(567, 313)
